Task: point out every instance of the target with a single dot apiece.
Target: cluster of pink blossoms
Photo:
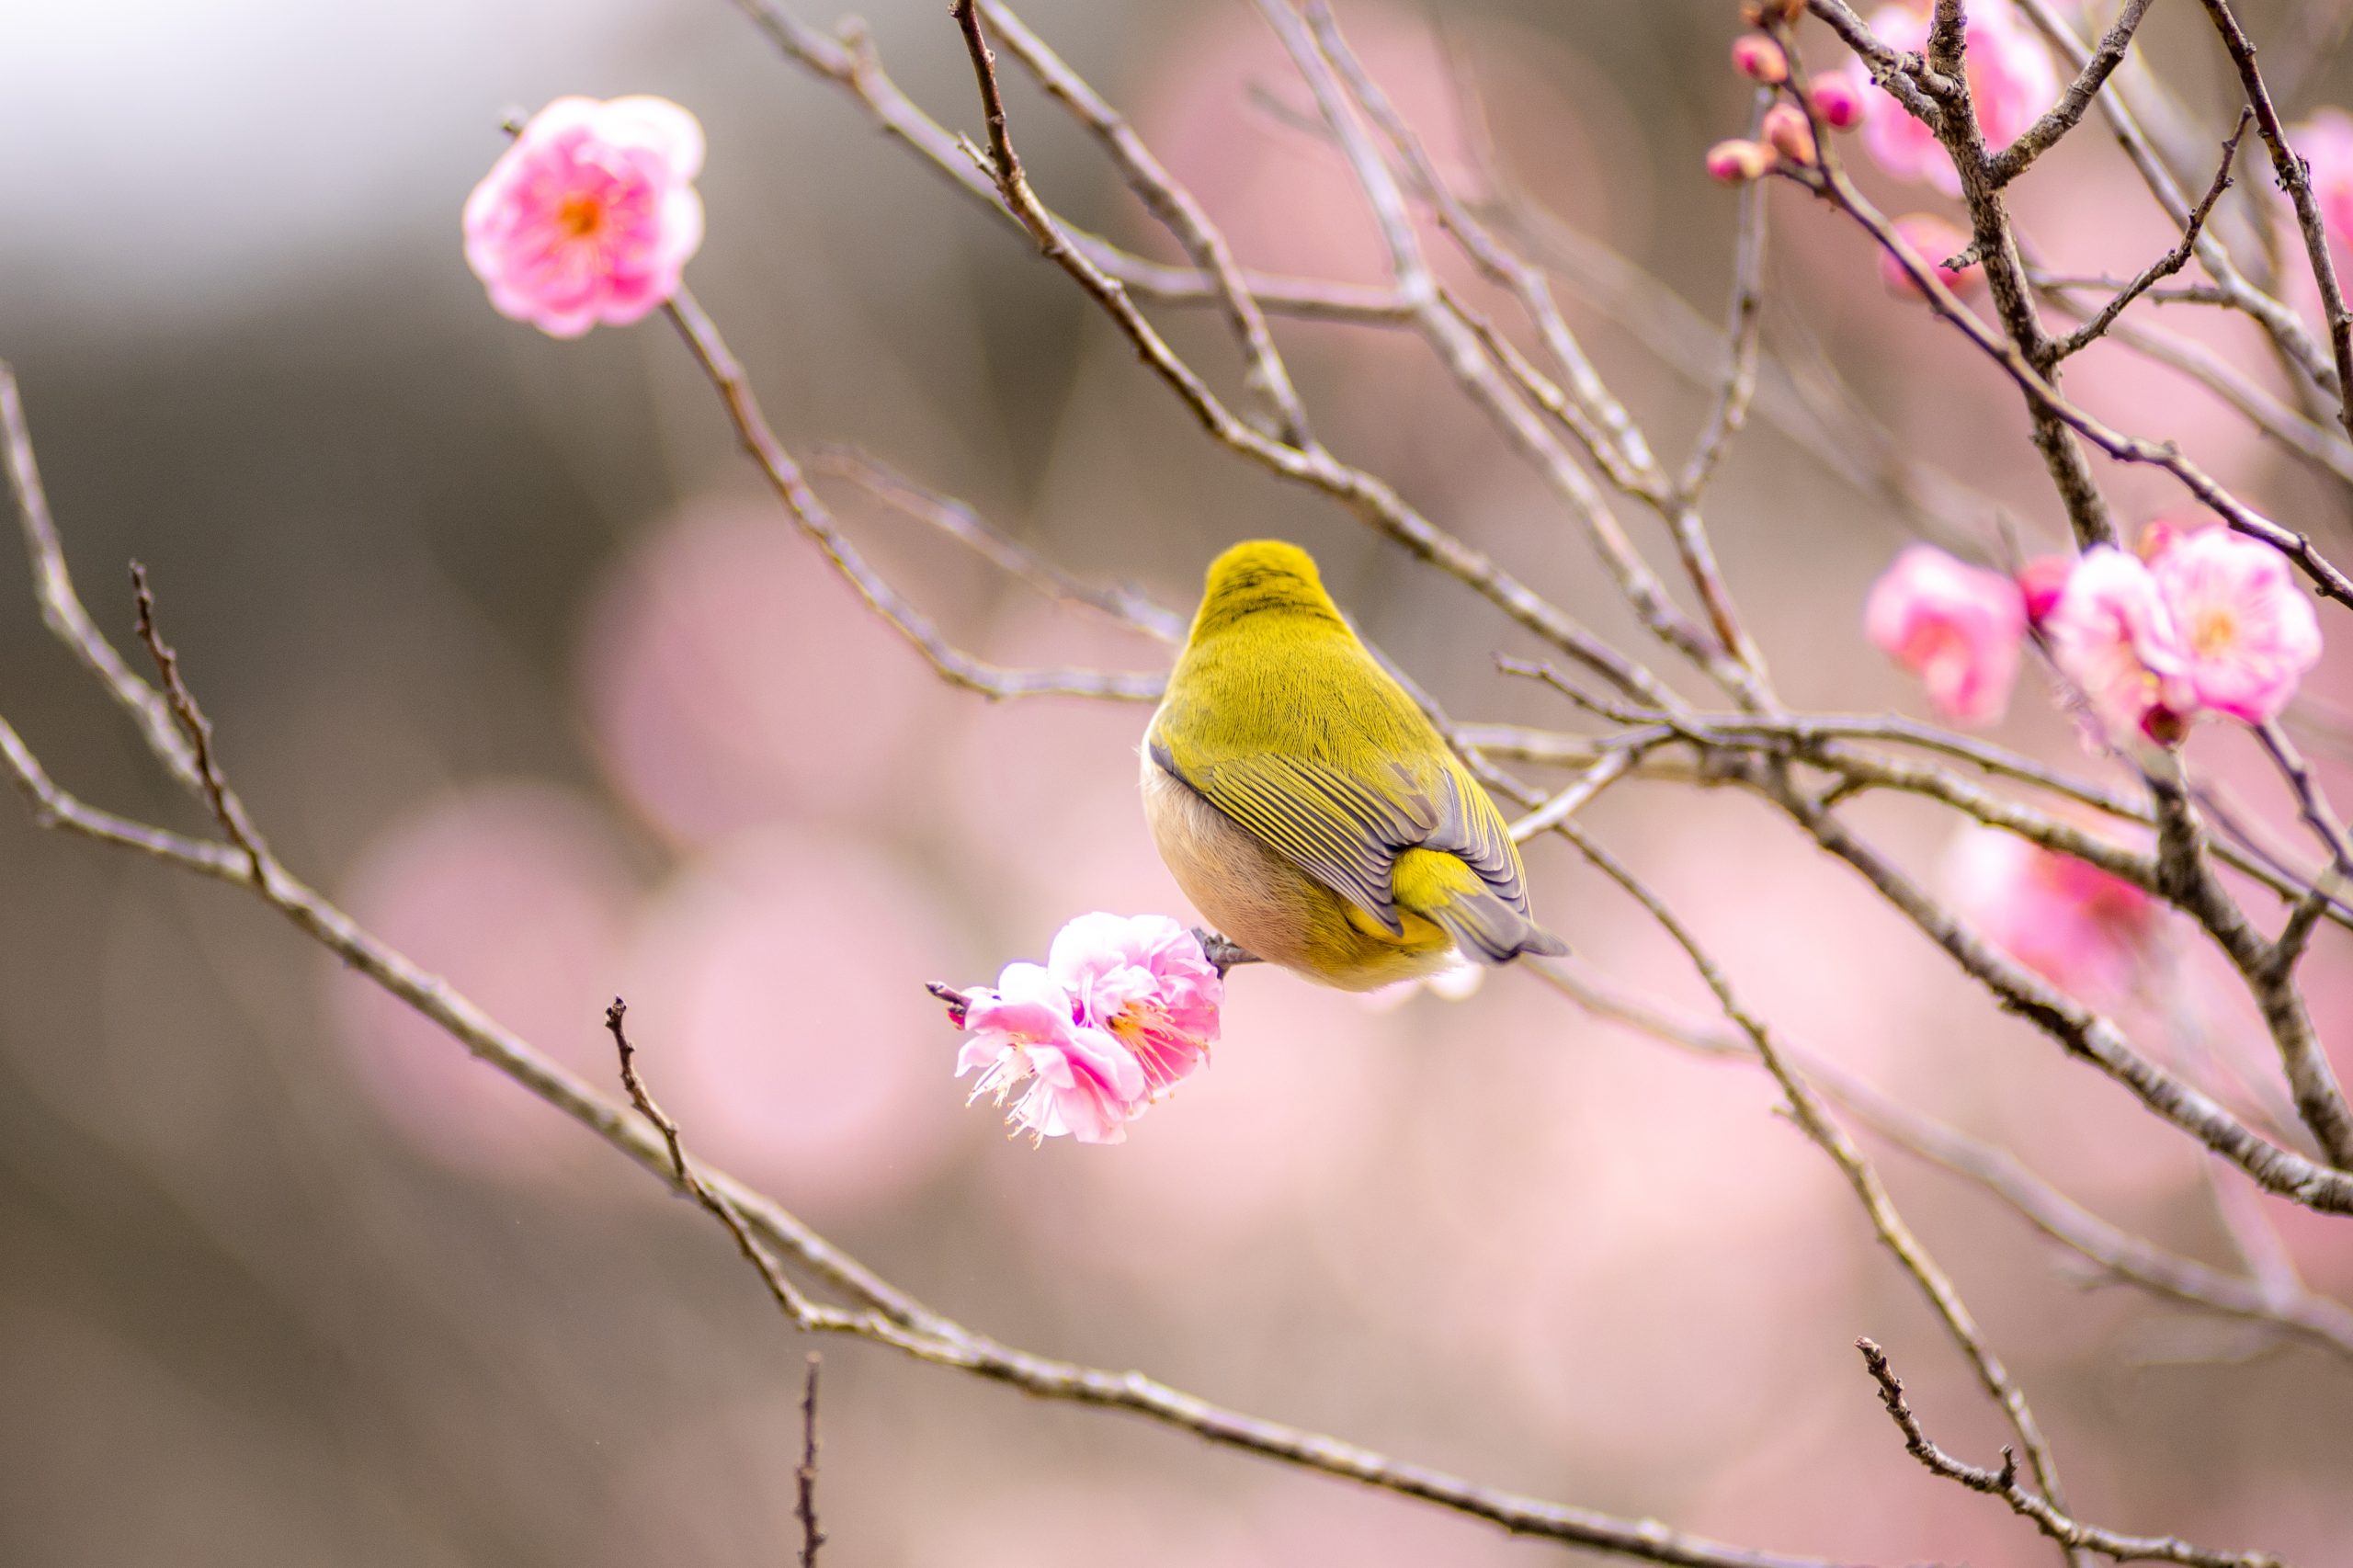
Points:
(2200, 621)
(590, 216)
(1121, 1013)
(2212, 621)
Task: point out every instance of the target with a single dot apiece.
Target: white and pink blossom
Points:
(1062, 1075)
(1146, 982)
(1957, 626)
(1122, 1011)
(2248, 632)
(2113, 636)
(590, 216)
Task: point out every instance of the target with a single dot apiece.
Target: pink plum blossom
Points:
(2011, 82)
(1122, 1011)
(2084, 929)
(1146, 981)
(590, 216)
(1064, 1075)
(2248, 632)
(1957, 626)
(2113, 635)
(2325, 143)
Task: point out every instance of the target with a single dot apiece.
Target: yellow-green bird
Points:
(1305, 804)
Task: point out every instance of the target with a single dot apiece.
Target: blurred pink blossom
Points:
(1957, 626)
(518, 894)
(769, 993)
(1078, 1079)
(1123, 1011)
(2325, 142)
(590, 215)
(2083, 929)
(715, 648)
(2011, 82)
(2040, 582)
(1934, 241)
(1146, 981)
(2248, 632)
(2113, 636)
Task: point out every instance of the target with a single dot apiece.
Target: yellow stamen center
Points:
(2213, 630)
(581, 216)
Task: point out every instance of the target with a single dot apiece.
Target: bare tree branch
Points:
(2048, 1517)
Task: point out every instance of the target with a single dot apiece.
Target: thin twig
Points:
(2114, 1252)
(2049, 1518)
(804, 1474)
(815, 519)
(2166, 266)
(2324, 575)
(2295, 178)
(2063, 116)
(60, 607)
(1372, 499)
(1814, 1120)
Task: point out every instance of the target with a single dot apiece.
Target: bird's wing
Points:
(1471, 827)
(1345, 832)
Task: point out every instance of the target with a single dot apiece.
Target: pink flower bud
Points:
(1759, 59)
(1788, 134)
(1838, 103)
(1957, 626)
(2158, 536)
(590, 216)
(1738, 162)
(2041, 581)
(1936, 242)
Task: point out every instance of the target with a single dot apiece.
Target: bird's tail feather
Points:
(1490, 931)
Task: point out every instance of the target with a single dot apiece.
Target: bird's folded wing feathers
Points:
(1347, 831)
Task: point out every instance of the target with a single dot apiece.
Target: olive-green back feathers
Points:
(1279, 716)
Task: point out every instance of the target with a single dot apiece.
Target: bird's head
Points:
(1260, 576)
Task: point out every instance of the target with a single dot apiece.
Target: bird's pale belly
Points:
(1262, 901)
